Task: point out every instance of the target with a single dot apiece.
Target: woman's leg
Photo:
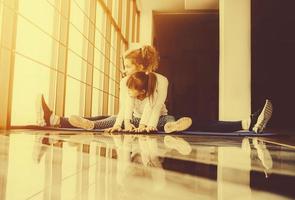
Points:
(216, 126)
(80, 122)
(64, 121)
(256, 122)
(44, 115)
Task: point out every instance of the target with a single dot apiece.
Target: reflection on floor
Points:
(68, 165)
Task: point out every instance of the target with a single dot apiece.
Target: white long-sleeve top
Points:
(148, 109)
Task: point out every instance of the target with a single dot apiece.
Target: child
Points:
(145, 109)
(142, 86)
(142, 106)
(142, 58)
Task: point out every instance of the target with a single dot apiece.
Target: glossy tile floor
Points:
(76, 165)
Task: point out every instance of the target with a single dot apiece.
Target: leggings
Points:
(103, 122)
(216, 126)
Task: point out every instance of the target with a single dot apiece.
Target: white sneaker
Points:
(177, 143)
(263, 117)
(179, 125)
(81, 122)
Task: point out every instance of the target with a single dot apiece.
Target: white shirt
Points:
(148, 109)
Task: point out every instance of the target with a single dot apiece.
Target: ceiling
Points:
(177, 5)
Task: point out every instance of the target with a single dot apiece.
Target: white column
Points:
(146, 26)
(235, 59)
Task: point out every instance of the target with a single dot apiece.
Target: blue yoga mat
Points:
(237, 133)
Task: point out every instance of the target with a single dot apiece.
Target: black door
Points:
(189, 58)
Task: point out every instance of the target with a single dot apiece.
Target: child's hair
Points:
(143, 81)
(147, 56)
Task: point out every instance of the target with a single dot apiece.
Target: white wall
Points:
(146, 26)
(235, 56)
(235, 59)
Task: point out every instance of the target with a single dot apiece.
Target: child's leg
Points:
(135, 121)
(181, 124)
(99, 117)
(164, 119)
(108, 122)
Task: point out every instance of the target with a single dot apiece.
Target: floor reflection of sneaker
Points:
(177, 143)
(180, 125)
(246, 145)
(40, 147)
(263, 154)
(81, 122)
(44, 116)
(263, 117)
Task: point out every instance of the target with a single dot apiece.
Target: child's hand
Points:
(128, 127)
(151, 129)
(113, 129)
(140, 129)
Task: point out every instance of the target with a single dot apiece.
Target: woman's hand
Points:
(151, 129)
(115, 128)
(141, 128)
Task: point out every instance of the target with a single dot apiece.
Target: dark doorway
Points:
(273, 59)
(189, 58)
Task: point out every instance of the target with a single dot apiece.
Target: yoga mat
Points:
(237, 133)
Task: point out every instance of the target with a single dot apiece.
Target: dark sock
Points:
(47, 111)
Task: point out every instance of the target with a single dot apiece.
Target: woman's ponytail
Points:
(146, 56)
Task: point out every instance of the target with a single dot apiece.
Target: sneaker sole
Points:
(180, 125)
(80, 122)
(179, 144)
(266, 115)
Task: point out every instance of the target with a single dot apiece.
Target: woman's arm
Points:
(157, 104)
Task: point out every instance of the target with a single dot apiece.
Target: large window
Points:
(77, 58)
(35, 58)
(68, 50)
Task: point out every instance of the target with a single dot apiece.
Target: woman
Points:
(142, 58)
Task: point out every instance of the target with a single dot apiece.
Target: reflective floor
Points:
(76, 165)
